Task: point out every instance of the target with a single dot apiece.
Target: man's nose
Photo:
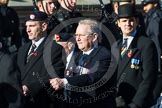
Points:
(52, 5)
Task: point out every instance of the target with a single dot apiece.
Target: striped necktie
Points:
(124, 47)
(31, 52)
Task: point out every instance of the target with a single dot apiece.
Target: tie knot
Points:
(33, 46)
(84, 55)
(125, 39)
(125, 42)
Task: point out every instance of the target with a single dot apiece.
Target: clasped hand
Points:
(57, 83)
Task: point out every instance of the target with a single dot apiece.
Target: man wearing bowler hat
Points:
(109, 18)
(34, 75)
(137, 63)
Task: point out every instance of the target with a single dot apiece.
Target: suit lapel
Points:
(24, 54)
(72, 67)
(89, 57)
(123, 63)
(38, 54)
(34, 58)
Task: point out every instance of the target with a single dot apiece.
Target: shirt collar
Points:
(38, 42)
(131, 36)
(88, 52)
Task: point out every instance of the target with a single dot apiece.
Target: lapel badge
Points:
(130, 53)
(84, 71)
(67, 73)
(132, 66)
(71, 68)
(135, 63)
(84, 64)
(35, 54)
(132, 63)
(56, 37)
(32, 16)
(136, 67)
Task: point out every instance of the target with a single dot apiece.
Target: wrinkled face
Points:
(85, 39)
(49, 6)
(127, 25)
(148, 7)
(34, 30)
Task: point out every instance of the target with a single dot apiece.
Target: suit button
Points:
(33, 73)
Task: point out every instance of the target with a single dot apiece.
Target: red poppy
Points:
(130, 53)
(35, 54)
(57, 37)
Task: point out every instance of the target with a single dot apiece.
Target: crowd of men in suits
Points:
(67, 63)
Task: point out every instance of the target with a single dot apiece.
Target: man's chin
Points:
(82, 49)
(31, 38)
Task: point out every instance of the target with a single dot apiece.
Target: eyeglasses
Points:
(82, 35)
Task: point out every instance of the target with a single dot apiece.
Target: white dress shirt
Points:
(129, 39)
(37, 43)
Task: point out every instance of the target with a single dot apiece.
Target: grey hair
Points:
(94, 25)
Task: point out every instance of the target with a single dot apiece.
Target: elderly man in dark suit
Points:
(137, 65)
(34, 74)
(86, 69)
(10, 90)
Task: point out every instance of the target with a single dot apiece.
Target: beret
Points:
(37, 16)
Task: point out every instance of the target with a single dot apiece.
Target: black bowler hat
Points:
(126, 10)
(37, 16)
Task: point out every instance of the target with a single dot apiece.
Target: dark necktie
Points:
(31, 52)
(124, 47)
(81, 64)
(81, 60)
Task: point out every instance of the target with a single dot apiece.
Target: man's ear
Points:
(156, 4)
(95, 37)
(118, 23)
(44, 26)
